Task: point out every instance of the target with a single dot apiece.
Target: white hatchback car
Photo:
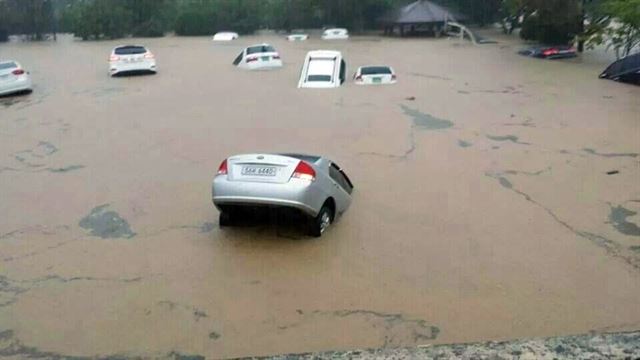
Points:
(131, 59)
(225, 36)
(13, 78)
(374, 75)
(335, 34)
(323, 69)
(260, 56)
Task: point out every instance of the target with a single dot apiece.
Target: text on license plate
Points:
(253, 170)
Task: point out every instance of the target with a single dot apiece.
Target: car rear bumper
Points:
(271, 64)
(147, 65)
(22, 84)
(296, 194)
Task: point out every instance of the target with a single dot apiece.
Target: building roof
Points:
(421, 11)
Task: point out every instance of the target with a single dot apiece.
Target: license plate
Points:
(252, 170)
(265, 58)
(377, 80)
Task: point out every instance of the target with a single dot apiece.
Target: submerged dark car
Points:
(625, 70)
(550, 52)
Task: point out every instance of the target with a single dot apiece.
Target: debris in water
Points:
(511, 138)
(595, 152)
(426, 121)
(613, 172)
(106, 224)
(65, 169)
(618, 218)
(464, 144)
(410, 98)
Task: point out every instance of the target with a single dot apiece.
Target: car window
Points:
(340, 177)
(260, 49)
(130, 50)
(8, 65)
(238, 59)
(373, 70)
(326, 78)
(630, 63)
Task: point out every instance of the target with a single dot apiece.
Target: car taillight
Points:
(550, 52)
(222, 169)
(114, 58)
(304, 171)
(149, 55)
(359, 78)
(393, 76)
(250, 59)
(17, 72)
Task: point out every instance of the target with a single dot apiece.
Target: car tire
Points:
(225, 219)
(321, 222)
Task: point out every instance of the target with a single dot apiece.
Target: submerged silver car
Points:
(313, 185)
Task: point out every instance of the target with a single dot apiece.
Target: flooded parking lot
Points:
(497, 197)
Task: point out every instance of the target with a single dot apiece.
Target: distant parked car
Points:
(297, 35)
(374, 75)
(260, 56)
(312, 185)
(323, 69)
(225, 36)
(335, 34)
(550, 52)
(13, 78)
(625, 70)
(131, 59)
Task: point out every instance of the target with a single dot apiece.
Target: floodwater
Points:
(483, 209)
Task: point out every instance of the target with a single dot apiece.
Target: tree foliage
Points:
(33, 18)
(546, 21)
(615, 23)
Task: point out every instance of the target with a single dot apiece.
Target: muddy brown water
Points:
(477, 215)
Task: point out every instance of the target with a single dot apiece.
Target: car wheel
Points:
(321, 223)
(226, 218)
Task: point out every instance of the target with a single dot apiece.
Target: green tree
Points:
(547, 21)
(33, 18)
(615, 23)
(96, 19)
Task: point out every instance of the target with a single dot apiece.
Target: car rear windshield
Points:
(130, 50)
(8, 65)
(260, 49)
(325, 78)
(372, 70)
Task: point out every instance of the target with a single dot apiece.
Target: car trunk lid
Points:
(377, 78)
(7, 75)
(261, 168)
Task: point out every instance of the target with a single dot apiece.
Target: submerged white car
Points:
(374, 75)
(323, 69)
(335, 34)
(225, 36)
(131, 59)
(13, 78)
(297, 35)
(260, 56)
(312, 185)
